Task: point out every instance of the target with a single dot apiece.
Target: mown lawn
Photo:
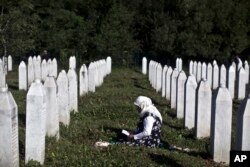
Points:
(105, 113)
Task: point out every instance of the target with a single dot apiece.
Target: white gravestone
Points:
(9, 147)
(159, 75)
(63, 98)
(173, 88)
(37, 69)
(198, 74)
(190, 101)
(203, 110)
(191, 64)
(195, 69)
(2, 75)
(168, 82)
(49, 67)
(177, 64)
(155, 76)
(243, 126)
(241, 84)
(31, 73)
(144, 65)
(163, 90)
(83, 76)
(73, 98)
(44, 70)
(210, 74)
(246, 67)
(52, 115)
(91, 79)
(223, 75)
(22, 76)
(180, 92)
(215, 76)
(54, 68)
(35, 123)
(109, 64)
(231, 80)
(204, 71)
(9, 63)
(150, 71)
(72, 62)
(180, 64)
(221, 125)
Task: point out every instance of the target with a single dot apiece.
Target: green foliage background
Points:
(90, 29)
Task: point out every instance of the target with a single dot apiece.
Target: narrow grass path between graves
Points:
(104, 113)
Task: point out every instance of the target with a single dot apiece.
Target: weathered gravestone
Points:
(221, 124)
(173, 88)
(22, 76)
(246, 67)
(204, 71)
(190, 101)
(191, 64)
(163, 90)
(9, 148)
(223, 75)
(63, 97)
(168, 82)
(109, 64)
(231, 80)
(35, 123)
(215, 75)
(243, 126)
(198, 74)
(54, 68)
(31, 73)
(10, 63)
(144, 65)
(158, 75)
(44, 70)
(83, 77)
(210, 74)
(73, 98)
(203, 110)
(180, 90)
(241, 84)
(52, 116)
(91, 79)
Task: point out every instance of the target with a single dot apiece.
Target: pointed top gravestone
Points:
(246, 67)
(52, 116)
(215, 76)
(203, 110)
(231, 80)
(44, 70)
(35, 123)
(109, 64)
(22, 76)
(83, 76)
(31, 73)
(223, 74)
(144, 65)
(191, 63)
(221, 123)
(180, 90)
(9, 63)
(204, 71)
(173, 88)
(198, 74)
(163, 90)
(168, 82)
(210, 74)
(158, 76)
(241, 84)
(73, 91)
(243, 126)
(63, 98)
(54, 68)
(190, 101)
(195, 69)
(2, 75)
(9, 147)
(180, 65)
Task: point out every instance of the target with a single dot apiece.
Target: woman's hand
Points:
(130, 136)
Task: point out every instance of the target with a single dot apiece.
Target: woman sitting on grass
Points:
(149, 125)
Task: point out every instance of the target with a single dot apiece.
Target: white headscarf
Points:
(147, 106)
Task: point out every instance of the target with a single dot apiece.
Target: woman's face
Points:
(138, 109)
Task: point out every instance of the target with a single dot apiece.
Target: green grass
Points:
(102, 115)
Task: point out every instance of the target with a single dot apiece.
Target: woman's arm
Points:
(147, 128)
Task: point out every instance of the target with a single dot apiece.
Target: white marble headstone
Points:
(163, 90)
(204, 71)
(22, 76)
(215, 76)
(144, 65)
(109, 64)
(210, 74)
(83, 77)
(73, 93)
(173, 88)
(168, 82)
(241, 84)
(180, 92)
(9, 147)
(35, 123)
(52, 115)
(246, 67)
(203, 110)
(31, 73)
(223, 75)
(44, 70)
(198, 74)
(231, 80)
(10, 63)
(191, 64)
(190, 101)
(221, 123)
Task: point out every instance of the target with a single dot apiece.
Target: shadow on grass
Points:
(163, 160)
(13, 87)
(22, 118)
